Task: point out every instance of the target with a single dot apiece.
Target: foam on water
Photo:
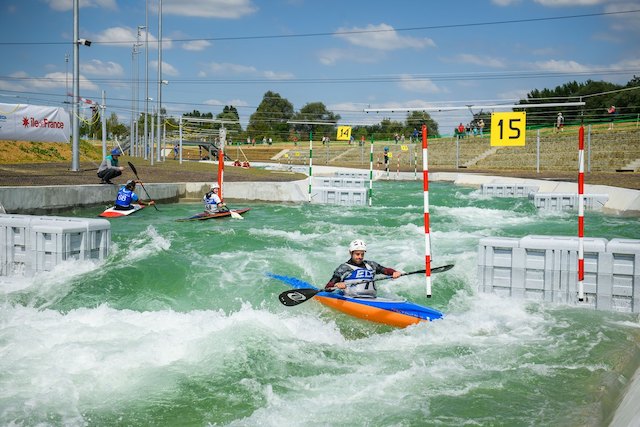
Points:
(180, 326)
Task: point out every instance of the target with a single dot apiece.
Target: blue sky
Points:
(348, 54)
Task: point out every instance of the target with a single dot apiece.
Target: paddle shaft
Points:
(298, 296)
(135, 172)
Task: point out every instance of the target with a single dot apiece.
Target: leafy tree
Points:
(415, 120)
(115, 128)
(315, 112)
(271, 116)
(230, 113)
(597, 95)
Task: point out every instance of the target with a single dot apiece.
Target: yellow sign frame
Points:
(509, 129)
(344, 133)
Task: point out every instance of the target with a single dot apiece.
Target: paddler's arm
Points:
(332, 286)
(391, 272)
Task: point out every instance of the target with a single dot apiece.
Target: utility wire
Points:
(350, 32)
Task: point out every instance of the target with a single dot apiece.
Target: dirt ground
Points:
(59, 173)
(25, 164)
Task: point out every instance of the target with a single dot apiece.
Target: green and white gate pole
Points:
(371, 171)
(310, 162)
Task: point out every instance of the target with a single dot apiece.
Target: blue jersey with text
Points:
(125, 197)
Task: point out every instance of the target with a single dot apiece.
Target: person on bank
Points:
(126, 197)
(212, 202)
(109, 167)
(349, 275)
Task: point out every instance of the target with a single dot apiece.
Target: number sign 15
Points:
(508, 129)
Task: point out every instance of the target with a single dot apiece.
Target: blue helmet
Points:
(116, 152)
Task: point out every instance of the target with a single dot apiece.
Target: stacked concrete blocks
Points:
(567, 201)
(31, 244)
(546, 268)
(508, 189)
(342, 189)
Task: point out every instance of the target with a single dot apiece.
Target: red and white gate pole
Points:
(223, 136)
(581, 214)
(427, 237)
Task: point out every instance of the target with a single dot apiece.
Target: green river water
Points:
(180, 326)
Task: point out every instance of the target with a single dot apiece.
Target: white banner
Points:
(22, 122)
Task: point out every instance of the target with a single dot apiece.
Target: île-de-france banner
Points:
(22, 122)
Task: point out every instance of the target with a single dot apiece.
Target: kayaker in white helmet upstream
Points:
(357, 269)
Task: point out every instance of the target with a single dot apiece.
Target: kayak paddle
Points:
(298, 296)
(135, 172)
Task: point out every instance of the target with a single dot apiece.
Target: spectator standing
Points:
(481, 126)
(612, 112)
(560, 122)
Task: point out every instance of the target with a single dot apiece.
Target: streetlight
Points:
(159, 79)
(159, 128)
(77, 41)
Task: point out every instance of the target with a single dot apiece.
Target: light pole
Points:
(75, 149)
(146, 71)
(134, 71)
(159, 77)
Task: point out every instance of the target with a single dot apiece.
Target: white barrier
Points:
(29, 244)
(567, 201)
(546, 268)
(508, 189)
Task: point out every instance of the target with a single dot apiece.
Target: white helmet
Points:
(215, 186)
(357, 245)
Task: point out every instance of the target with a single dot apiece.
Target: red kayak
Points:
(204, 215)
(112, 212)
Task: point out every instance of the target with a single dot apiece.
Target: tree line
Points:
(274, 115)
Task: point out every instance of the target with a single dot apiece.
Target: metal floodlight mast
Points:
(75, 148)
(159, 81)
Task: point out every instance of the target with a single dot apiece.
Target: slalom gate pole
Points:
(371, 171)
(427, 237)
(581, 214)
(310, 162)
(221, 166)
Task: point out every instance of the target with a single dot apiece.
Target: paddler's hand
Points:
(340, 285)
(152, 202)
(396, 274)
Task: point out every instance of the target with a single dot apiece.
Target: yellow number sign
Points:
(404, 148)
(508, 129)
(344, 133)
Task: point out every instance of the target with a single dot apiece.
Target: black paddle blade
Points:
(442, 268)
(297, 296)
(133, 168)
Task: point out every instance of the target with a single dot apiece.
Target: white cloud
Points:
(419, 85)
(233, 102)
(569, 3)
(226, 68)
(514, 95)
(58, 80)
(560, 66)
(467, 58)
(167, 69)
(335, 56)
(228, 9)
(381, 37)
(126, 36)
(277, 75)
(196, 45)
(96, 67)
(504, 2)
(626, 21)
(64, 5)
